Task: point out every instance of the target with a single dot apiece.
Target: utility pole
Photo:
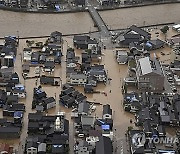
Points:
(18, 36)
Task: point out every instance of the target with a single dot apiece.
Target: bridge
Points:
(99, 22)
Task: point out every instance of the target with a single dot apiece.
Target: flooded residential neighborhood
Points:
(107, 92)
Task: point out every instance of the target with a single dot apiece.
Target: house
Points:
(57, 57)
(136, 48)
(77, 79)
(174, 41)
(107, 112)
(9, 110)
(81, 42)
(71, 63)
(149, 73)
(86, 58)
(154, 44)
(12, 99)
(88, 88)
(84, 42)
(121, 56)
(3, 98)
(56, 37)
(92, 43)
(25, 68)
(92, 80)
(47, 131)
(23, 3)
(49, 66)
(132, 102)
(6, 149)
(83, 147)
(9, 60)
(175, 55)
(104, 146)
(80, 3)
(15, 78)
(35, 58)
(9, 132)
(42, 59)
(42, 148)
(49, 102)
(127, 38)
(31, 147)
(47, 80)
(140, 31)
(100, 75)
(19, 90)
(87, 122)
(27, 52)
(5, 75)
(83, 108)
(70, 54)
(161, 131)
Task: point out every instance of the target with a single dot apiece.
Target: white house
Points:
(18, 90)
(77, 79)
(27, 52)
(121, 56)
(99, 74)
(92, 44)
(32, 150)
(71, 65)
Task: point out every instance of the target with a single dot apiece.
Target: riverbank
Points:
(37, 25)
(74, 10)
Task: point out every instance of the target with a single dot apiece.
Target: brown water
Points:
(148, 15)
(39, 24)
(34, 24)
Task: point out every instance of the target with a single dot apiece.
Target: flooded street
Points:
(147, 15)
(114, 98)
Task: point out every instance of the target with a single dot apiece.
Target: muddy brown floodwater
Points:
(115, 71)
(37, 24)
(147, 15)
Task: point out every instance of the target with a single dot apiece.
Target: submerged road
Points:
(34, 24)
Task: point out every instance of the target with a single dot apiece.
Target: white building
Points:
(121, 56)
(27, 52)
(77, 79)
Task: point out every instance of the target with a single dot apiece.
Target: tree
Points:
(164, 30)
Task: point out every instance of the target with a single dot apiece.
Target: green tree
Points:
(164, 30)
(88, 51)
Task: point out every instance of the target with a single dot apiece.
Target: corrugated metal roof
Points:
(145, 65)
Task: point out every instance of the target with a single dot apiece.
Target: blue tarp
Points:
(18, 114)
(57, 7)
(105, 127)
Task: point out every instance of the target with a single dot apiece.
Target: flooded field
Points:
(147, 15)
